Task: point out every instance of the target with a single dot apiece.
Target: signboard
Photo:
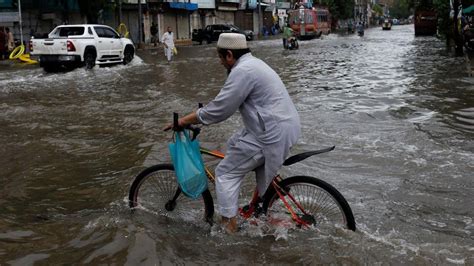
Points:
(243, 5)
(230, 1)
(252, 4)
(133, 1)
(6, 4)
(9, 17)
(283, 5)
(211, 4)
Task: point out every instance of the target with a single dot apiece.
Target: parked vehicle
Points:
(386, 25)
(211, 33)
(310, 23)
(81, 45)
(425, 22)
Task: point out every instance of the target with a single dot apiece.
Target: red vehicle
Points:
(426, 22)
(310, 23)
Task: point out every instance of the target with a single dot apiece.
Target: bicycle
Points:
(308, 200)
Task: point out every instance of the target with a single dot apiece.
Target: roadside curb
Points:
(151, 46)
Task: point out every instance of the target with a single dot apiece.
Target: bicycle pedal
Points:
(307, 219)
(258, 211)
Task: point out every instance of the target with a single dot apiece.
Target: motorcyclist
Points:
(287, 34)
(360, 28)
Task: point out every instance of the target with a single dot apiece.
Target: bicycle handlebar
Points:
(196, 130)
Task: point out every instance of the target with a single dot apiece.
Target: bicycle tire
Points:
(319, 199)
(155, 186)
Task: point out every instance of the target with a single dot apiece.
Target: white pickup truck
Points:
(81, 45)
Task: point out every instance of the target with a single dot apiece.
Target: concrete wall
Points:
(224, 17)
(183, 29)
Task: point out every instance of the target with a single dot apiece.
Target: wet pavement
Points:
(399, 109)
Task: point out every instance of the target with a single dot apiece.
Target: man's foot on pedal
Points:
(230, 225)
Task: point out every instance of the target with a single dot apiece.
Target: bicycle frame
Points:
(252, 207)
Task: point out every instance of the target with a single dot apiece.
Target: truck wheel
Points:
(128, 55)
(208, 40)
(50, 68)
(89, 60)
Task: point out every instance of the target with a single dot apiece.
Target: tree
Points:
(90, 9)
(401, 9)
(340, 9)
(378, 10)
(444, 22)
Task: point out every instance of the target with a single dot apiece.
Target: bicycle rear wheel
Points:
(154, 189)
(322, 203)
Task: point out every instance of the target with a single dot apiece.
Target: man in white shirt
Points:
(168, 42)
(271, 123)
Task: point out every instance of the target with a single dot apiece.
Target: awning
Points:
(9, 17)
(181, 5)
(468, 10)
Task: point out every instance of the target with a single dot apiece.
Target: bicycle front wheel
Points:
(156, 190)
(321, 202)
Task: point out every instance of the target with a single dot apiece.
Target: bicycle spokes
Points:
(171, 204)
(297, 212)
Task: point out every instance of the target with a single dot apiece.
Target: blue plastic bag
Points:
(188, 164)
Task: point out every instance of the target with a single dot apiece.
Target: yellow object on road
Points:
(26, 58)
(175, 51)
(17, 52)
(122, 29)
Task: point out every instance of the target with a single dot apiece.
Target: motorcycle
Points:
(292, 43)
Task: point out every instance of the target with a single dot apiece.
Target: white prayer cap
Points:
(232, 41)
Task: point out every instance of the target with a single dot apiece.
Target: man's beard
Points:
(228, 71)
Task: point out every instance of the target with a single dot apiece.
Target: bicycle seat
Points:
(301, 156)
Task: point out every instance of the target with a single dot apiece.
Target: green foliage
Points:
(444, 22)
(90, 9)
(340, 9)
(377, 9)
(401, 9)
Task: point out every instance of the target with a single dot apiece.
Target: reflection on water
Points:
(399, 110)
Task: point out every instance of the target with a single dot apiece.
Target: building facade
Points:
(39, 17)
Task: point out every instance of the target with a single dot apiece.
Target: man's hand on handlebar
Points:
(183, 122)
(171, 126)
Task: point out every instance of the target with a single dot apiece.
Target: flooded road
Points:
(399, 109)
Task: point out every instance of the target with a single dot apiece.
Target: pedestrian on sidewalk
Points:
(10, 40)
(168, 42)
(3, 43)
(154, 32)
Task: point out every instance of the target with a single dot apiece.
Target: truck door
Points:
(103, 45)
(108, 43)
(115, 42)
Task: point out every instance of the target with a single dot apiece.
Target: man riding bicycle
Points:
(271, 123)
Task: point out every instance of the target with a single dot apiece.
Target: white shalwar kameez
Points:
(168, 39)
(271, 127)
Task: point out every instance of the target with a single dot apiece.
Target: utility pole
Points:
(140, 34)
(260, 18)
(457, 36)
(120, 11)
(21, 23)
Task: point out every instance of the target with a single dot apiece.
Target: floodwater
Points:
(399, 109)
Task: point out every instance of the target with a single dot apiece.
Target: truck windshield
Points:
(68, 31)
